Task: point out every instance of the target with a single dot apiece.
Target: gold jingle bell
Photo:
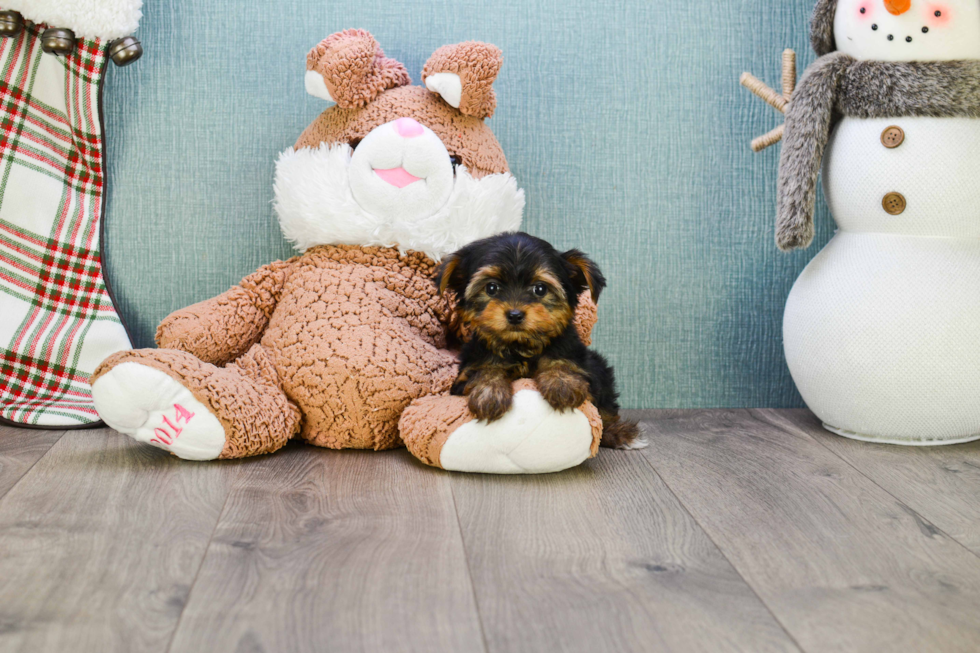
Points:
(125, 51)
(11, 23)
(58, 41)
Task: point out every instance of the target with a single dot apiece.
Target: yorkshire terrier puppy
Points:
(517, 295)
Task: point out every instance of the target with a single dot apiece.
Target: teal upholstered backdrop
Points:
(623, 121)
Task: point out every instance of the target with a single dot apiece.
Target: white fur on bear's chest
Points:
(935, 169)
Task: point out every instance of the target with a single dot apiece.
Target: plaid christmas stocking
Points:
(57, 319)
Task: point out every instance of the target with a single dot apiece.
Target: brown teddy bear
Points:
(347, 344)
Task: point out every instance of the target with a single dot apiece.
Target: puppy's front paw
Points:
(458, 389)
(491, 401)
(562, 389)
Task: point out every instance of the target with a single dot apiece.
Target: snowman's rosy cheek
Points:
(865, 10)
(937, 15)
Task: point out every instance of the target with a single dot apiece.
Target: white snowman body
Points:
(882, 329)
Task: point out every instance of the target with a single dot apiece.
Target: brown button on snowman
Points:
(893, 137)
(882, 329)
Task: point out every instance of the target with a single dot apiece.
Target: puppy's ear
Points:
(351, 69)
(449, 275)
(463, 75)
(584, 273)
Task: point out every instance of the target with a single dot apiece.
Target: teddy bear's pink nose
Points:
(408, 128)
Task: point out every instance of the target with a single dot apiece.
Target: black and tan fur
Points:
(517, 297)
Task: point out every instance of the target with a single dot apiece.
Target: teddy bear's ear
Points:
(350, 68)
(463, 75)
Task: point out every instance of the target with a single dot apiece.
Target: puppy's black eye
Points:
(540, 289)
(455, 160)
(492, 288)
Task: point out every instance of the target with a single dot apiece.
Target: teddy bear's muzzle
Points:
(401, 170)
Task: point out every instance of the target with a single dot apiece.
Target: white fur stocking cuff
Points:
(106, 19)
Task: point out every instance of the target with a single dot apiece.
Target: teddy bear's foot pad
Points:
(151, 406)
(531, 438)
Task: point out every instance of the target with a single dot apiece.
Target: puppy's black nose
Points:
(515, 316)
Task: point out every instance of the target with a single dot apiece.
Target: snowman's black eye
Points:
(891, 37)
(874, 27)
(863, 10)
(908, 39)
(938, 14)
(925, 30)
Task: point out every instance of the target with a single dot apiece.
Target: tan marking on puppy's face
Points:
(491, 318)
(548, 278)
(496, 290)
(478, 283)
(547, 320)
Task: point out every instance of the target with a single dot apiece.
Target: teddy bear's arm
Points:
(220, 329)
(586, 315)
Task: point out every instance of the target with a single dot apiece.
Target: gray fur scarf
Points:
(837, 85)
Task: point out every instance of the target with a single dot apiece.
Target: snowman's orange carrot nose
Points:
(898, 7)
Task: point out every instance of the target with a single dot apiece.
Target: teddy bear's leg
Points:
(532, 438)
(195, 410)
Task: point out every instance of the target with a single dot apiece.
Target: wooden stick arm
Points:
(771, 97)
(789, 74)
(769, 139)
(778, 101)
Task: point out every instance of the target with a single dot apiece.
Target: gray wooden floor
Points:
(737, 530)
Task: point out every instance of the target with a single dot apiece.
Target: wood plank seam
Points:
(920, 518)
(28, 470)
(607, 540)
(469, 571)
(102, 536)
(301, 552)
(707, 533)
(200, 565)
(877, 574)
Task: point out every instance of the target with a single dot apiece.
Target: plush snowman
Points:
(882, 329)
